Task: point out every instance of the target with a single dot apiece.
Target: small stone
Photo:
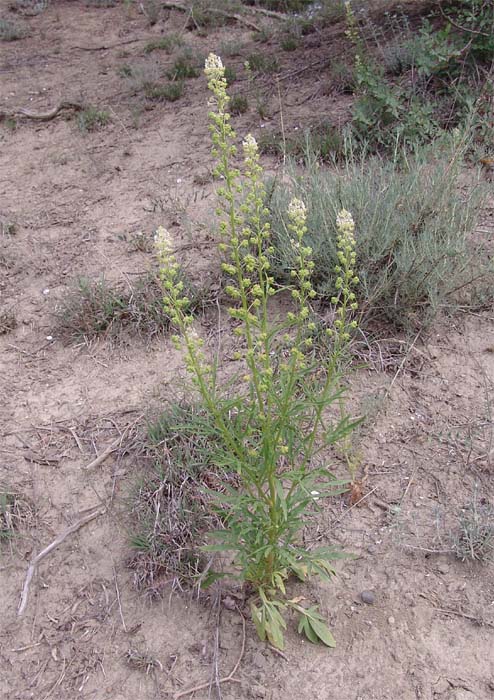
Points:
(391, 620)
(443, 568)
(229, 603)
(368, 597)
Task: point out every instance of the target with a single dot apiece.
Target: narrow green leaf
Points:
(210, 578)
(281, 496)
(259, 622)
(305, 627)
(275, 635)
(322, 631)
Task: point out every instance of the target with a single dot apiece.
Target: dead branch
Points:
(267, 13)
(106, 453)
(106, 47)
(57, 541)
(42, 116)
(230, 678)
(229, 15)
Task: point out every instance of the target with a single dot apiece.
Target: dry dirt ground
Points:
(76, 200)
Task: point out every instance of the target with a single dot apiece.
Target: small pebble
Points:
(391, 620)
(368, 597)
(229, 603)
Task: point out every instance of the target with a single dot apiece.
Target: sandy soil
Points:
(76, 199)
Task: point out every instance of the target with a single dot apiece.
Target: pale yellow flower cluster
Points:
(297, 212)
(162, 242)
(249, 145)
(346, 226)
(213, 67)
(346, 280)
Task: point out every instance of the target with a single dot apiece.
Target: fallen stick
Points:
(107, 47)
(42, 116)
(36, 560)
(225, 679)
(106, 453)
(216, 11)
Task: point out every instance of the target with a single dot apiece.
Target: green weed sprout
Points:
(272, 425)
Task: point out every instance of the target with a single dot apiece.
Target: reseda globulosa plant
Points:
(272, 425)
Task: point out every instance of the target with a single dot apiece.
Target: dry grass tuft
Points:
(15, 513)
(170, 508)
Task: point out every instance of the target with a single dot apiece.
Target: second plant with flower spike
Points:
(272, 430)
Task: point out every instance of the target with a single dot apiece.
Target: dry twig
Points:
(42, 116)
(230, 678)
(229, 15)
(104, 455)
(57, 541)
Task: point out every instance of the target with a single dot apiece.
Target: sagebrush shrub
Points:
(413, 232)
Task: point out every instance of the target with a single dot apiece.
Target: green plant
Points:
(273, 431)
(7, 322)
(14, 512)
(331, 11)
(475, 537)
(94, 308)
(401, 54)
(92, 118)
(230, 75)
(342, 78)
(171, 92)
(263, 36)
(289, 42)
(11, 31)
(147, 78)
(9, 227)
(101, 3)
(185, 66)
(29, 8)
(166, 43)
(414, 248)
(139, 241)
(473, 20)
(261, 100)
(281, 5)
(151, 10)
(259, 63)
(239, 104)
(385, 115)
(124, 71)
(170, 508)
(231, 48)
(323, 141)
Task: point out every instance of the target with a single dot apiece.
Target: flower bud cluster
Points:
(301, 273)
(352, 31)
(175, 301)
(346, 279)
